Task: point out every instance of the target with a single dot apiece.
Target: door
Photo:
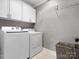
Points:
(35, 43)
(1, 44)
(28, 13)
(16, 9)
(4, 8)
(33, 15)
(16, 46)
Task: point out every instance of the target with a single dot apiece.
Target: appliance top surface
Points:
(34, 32)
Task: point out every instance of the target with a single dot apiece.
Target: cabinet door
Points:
(16, 9)
(33, 15)
(28, 13)
(3, 8)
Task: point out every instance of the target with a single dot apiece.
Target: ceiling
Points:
(36, 3)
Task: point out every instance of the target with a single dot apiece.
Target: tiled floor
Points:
(45, 54)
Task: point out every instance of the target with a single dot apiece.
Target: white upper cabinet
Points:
(29, 13)
(4, 8)
(16, 9)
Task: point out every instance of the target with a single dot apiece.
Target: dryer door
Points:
(35, 43)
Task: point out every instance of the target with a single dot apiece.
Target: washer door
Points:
(16, 46)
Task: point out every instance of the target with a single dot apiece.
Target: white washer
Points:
(35, 43)
(15, 45)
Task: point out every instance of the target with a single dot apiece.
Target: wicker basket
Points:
(77, 50)
(67, 51)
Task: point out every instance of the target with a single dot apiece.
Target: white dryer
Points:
(35, 40)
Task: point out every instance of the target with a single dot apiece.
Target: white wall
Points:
(61, 25)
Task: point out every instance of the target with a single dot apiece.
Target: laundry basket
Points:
(77, 50)
(66, 50)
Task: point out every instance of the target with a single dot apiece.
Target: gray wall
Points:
(58, 23)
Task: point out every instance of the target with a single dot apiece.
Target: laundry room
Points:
(39, 29)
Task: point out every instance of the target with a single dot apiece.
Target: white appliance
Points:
(14, 45)
(35, 39)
